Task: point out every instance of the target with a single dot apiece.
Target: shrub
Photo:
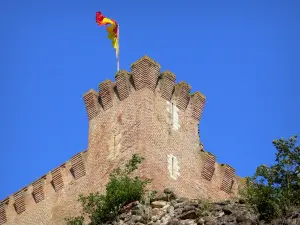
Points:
(120, 190)
(274, 190)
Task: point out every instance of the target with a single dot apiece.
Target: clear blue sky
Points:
(243, 56)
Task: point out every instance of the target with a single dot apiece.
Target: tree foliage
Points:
(275, 190)
(120, 190)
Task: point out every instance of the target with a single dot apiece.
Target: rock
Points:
(194, 212)
(162, 197)
(242, 201)
(240, 218)
(190, 222)
(229, 218)
(156, 211)
(295, 215)
(173, 222)
(173, 202)
(123, 216)
(202, 212)
(227, 210)
(180, 204)
(210, 223)
(129, 206)
(207, 219)
(168, 191)
(158, 204)
(201, 221)
(182, 199)
(178, 211)
(223, 203)
(170, 210)
(146, 217)
(246, 222)
(136, 219)
(217, 208)
(219, 214)
(195, 201)
(296, 221)
(165, 207)
(137, 212)
(127, 219)
(188, 208)
(154, 218)
(188, 215)
(196, 205)
(165, 219)
(172, 196)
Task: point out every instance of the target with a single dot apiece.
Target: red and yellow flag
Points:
(113, 30)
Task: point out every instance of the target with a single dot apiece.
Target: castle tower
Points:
(143, 111)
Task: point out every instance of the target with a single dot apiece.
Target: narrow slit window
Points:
(114, 148)
(172, 167)
(231, 185)
(173, 115)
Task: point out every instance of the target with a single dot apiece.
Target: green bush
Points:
(120, 190)
(275, 190)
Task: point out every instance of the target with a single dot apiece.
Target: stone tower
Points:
(144, 111)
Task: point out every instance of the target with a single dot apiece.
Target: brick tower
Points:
(144, 111)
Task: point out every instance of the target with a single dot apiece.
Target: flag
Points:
(112, 30)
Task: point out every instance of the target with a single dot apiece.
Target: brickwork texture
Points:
(144, 111)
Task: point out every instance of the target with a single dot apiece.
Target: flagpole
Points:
(118, 52)
(118, 63)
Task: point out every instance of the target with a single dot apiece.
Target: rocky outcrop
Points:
(168, 209)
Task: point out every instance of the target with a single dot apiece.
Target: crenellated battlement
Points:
(34, 193)
(145, 73)
(198, 102)
(91, 100)
(226, 173)
(123, 84)
(167, 85)
(106, 93)
(142, 111)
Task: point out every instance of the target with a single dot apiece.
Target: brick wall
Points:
(143, 111)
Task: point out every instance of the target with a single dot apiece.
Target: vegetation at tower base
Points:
(271, 196)
(120, 190)
(274, 191)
